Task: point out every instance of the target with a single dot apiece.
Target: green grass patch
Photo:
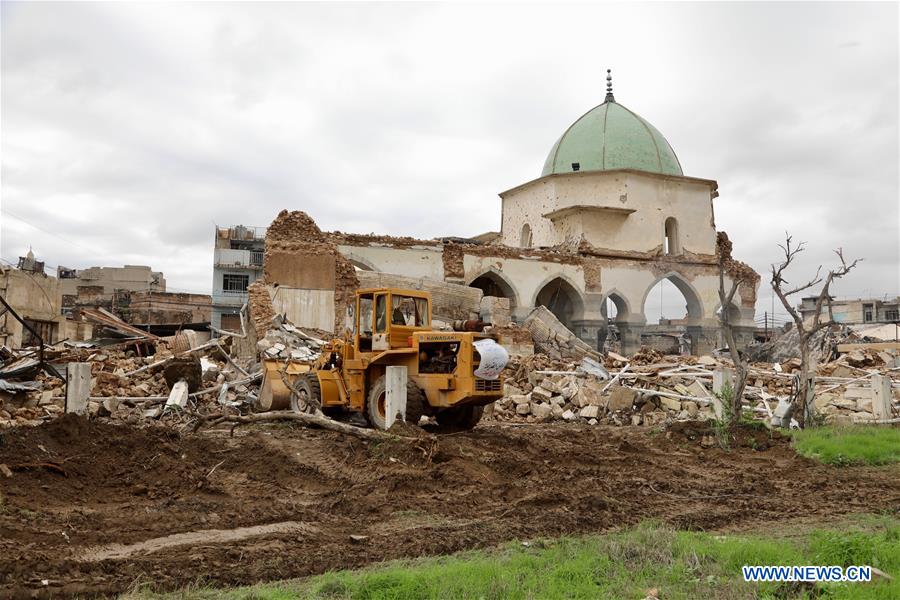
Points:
(850, 445)
(624, 564)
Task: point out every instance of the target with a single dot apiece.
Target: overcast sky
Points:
(129, 130)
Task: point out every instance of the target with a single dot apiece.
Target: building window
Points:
(671, 244)
(43, 328)
(235, 283)
(256, 258)
(867, 313)
(525, 238)
(892, 315)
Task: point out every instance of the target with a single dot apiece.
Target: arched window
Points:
(671, 243)
(525, 239)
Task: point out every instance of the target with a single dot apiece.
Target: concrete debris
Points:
(652, 389)
(285, 341)
(553, 338)
(114, 382)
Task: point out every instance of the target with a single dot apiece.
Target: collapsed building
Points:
(611, 215)
(36, 298)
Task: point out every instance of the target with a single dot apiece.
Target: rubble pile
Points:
(286, 342)
(124, 386)
(651, 389)
(787, 345)
(540, 389)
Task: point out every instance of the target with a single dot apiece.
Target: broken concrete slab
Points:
(621, 398)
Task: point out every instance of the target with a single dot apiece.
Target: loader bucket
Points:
(274, 393)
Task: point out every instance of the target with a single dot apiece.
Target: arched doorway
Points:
(672, 300)
(491, 283)
(562, 299)
(671, 307)
(615, 312)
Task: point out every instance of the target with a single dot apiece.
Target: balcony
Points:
(228, 298)
(225, 258)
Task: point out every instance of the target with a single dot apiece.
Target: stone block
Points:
(823, 400)
(520, 399)
(541, 394)
(569, 390)
(691, 408)
(621, 399)
(670, 403)
(511, 390)
(842, 371)
(557, 411)
(541, 412)
(523, 409)
(589, 412)
(552, 384)
(589, 396)
(568, 416)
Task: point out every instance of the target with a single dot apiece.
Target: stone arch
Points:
(525, 236)
(623, 310)
(692, 298)
(561, 297)
(360, 263)
(494, 283)
(671, 241)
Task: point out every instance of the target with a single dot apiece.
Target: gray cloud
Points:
(130, 129)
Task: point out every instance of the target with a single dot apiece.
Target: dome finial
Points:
(609, 92)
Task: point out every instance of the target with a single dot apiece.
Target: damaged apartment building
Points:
(36, 299)
(610, 216)
(136, 293)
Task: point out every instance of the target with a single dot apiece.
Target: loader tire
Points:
(415, 403)
(306, 397)
(459, 418)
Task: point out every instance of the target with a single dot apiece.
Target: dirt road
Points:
(128, 505)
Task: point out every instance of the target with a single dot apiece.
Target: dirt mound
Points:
(281, 501)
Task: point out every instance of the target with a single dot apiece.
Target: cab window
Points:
(409, 312)
(364, 322)
(381, 313)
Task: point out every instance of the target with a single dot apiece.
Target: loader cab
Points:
(386, 318)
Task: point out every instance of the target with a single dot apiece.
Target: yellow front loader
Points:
(452, 374)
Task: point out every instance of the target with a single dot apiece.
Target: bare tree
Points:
(805, 331)
(741, 366)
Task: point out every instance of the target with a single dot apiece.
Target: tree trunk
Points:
(803, 385)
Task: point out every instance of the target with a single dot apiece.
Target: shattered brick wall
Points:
(299, 255)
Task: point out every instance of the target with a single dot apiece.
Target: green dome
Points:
(609, 137)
